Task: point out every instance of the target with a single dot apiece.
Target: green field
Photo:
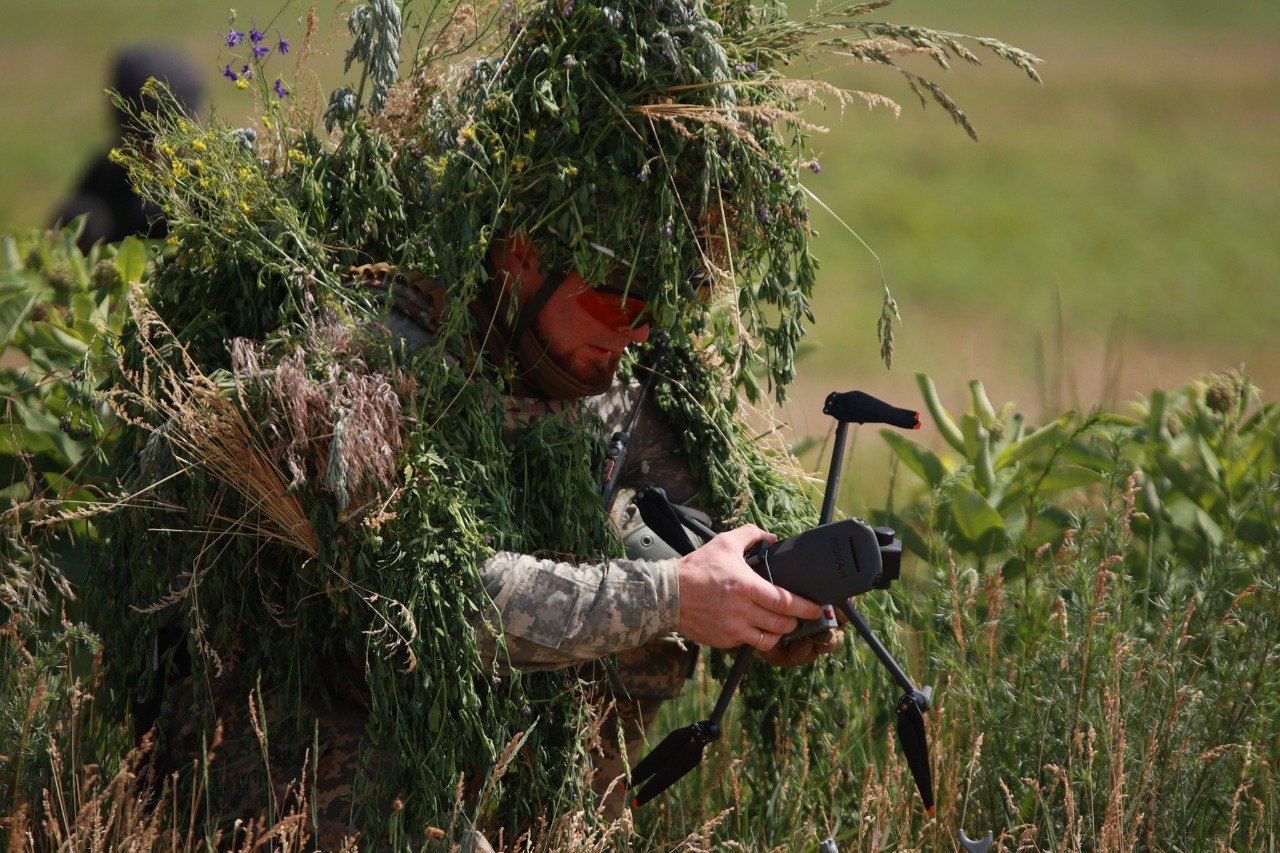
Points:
(1134, 196)
(1139, 190)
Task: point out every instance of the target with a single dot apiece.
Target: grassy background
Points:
(1137, 191)
(1134, 198)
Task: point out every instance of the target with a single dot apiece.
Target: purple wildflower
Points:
(281, 90)
(775, 175)
(229, 74)
(255, 35)
(259, 51)
(751, 65)
(815, 167)
(668, 228)
(644, 174)
(282, 45)
(570, 61)
(234, 38)
(764, 215)
(246, 73)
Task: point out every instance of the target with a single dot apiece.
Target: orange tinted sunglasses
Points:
(612, 308)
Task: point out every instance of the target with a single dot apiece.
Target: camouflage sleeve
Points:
(559, 614)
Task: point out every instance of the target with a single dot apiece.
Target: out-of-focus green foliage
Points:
(995, 495)
(59, 310)
(1203, 460)
(1208, 456)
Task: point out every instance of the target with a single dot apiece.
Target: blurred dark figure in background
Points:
(103, 192)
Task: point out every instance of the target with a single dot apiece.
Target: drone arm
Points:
(910, 710)
(881, 652)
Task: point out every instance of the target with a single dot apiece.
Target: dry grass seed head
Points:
(212, 431)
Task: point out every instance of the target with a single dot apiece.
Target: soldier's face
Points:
(584, 330)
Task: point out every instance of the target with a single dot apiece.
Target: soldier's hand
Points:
(804, 650)
(723, 603)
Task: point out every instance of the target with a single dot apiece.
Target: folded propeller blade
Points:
(915, 746)
(670, 761)
(661, 517)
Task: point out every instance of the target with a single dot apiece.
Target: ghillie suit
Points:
(314, 499)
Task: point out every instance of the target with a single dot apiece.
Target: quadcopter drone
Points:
(829, 565)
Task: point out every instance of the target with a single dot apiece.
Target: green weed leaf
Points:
(919, 459)
(1070, 477)
(1046, 436)
(946, 425)
(976, 518)
(131, 260)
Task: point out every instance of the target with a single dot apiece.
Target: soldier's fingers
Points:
(779, 600)
(774, 623)
(791, 653)
(741, 538)
(805, 651)
(787, 655)
(764, 641)
(829, 640)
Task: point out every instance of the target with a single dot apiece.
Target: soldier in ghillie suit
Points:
(103, 191)
(650, 610)
(369, 550)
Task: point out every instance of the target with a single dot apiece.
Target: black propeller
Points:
(671, 760)
(914, 744)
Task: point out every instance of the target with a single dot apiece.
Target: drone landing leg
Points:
(911, 708)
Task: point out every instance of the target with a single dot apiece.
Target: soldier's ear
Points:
(517, 257)
(526, 253)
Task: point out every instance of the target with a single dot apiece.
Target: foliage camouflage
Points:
(663, 137)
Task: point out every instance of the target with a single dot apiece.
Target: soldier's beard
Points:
(590, 365)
